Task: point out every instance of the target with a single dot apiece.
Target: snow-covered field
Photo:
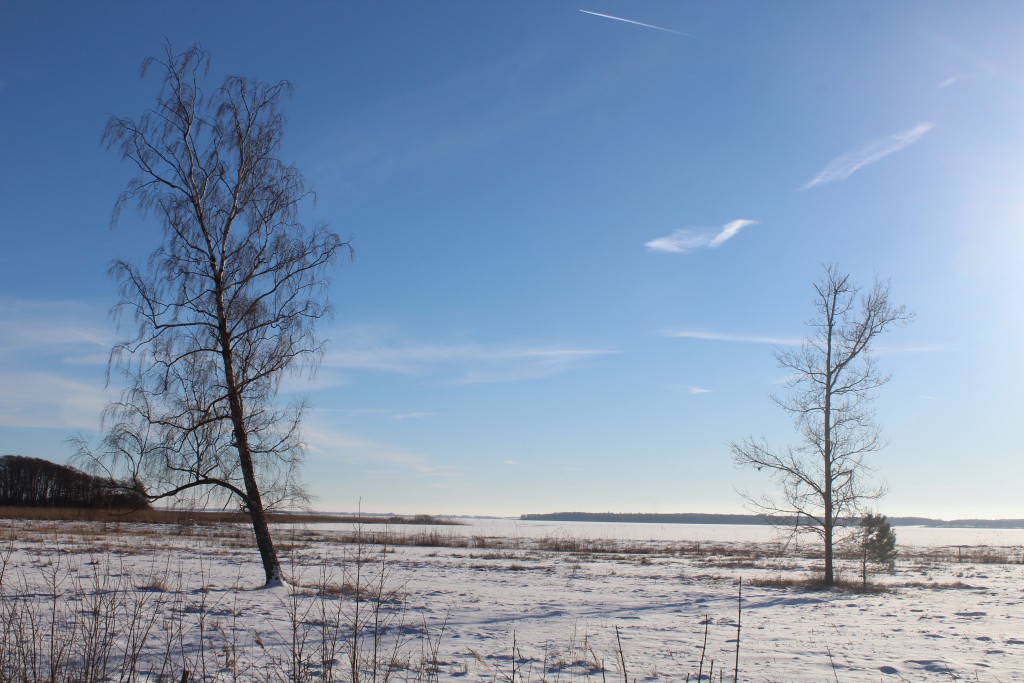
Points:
(494, 600)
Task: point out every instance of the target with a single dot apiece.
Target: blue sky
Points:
(577, 238)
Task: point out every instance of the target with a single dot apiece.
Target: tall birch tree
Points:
(226, 305)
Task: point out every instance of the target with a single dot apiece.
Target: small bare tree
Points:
(227, 304)
(825, 480)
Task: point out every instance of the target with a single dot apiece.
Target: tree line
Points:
(34, 482)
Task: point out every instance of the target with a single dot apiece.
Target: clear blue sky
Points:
(576, 237)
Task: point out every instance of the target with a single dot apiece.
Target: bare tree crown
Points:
(228, 302)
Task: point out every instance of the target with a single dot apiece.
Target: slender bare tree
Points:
(227, 304)
(824, 480)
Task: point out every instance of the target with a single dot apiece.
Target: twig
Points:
(739, 617)
(622, 658)
(703, 649)
(835, 674)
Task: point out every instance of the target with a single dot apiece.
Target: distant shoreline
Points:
(707, 518)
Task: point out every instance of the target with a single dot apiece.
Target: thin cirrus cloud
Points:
(70, 330)
(46, 400)
(842, 167)
(417, 128)
(460, 363)
(350, 413)
(52, 360)
(685, 240)
(413, 416)
(325, 442)
(737, 338)
(697, 391)
(911, 348)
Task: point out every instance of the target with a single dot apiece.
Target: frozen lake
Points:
(701, 533)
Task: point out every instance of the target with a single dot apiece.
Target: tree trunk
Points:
(830, 521)
(864, 563)
(268, 555)
(254, 501)
(827, 435)
(829, 574)
(264, 542)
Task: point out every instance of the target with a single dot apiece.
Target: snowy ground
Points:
(457, 602)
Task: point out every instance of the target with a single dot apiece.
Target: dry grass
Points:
(815, 584)
(77, 617)
(938, 585)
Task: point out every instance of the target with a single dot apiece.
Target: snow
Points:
(554, 594)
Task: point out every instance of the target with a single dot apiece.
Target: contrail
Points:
(637, 23)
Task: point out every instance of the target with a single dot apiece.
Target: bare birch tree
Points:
(833, 375)
(227, 304)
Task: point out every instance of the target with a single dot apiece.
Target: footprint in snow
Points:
(889, 670)
(971, 614)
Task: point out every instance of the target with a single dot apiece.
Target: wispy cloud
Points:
(53, 357)
(686, 240)
(950, 81)
(730, 230)
(413, 416)
(737, 338)
(327, 442)
(636, 23)
(844, 166)
(380, 140)
(465, 363)
(916, 348)
(360, 413)
(785, 380)
(697, 391)
(71, 329)
(355, 412)
(47, 400)
(785, 341)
